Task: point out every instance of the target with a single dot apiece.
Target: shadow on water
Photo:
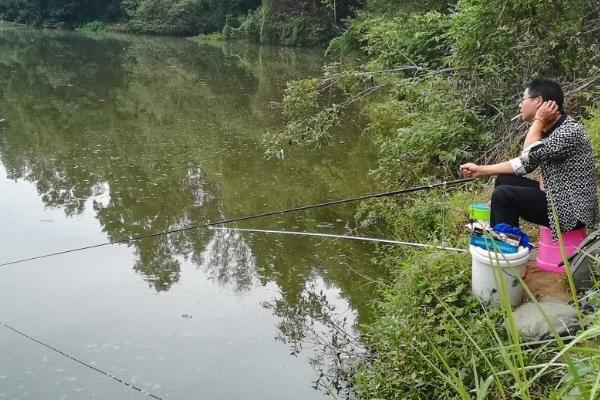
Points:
(157, 134)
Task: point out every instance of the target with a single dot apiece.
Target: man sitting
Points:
(561, 148)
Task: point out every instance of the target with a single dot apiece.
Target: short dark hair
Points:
(548, 90)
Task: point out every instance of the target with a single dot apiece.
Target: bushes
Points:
(294, 30)
(593, 126)
(498, 44)
(294, 23)
(432, 217)
(425, 129)
(422, 128)
(404, 7)
(309, 120)
(288, 23)
(249, 27)
(419, 40)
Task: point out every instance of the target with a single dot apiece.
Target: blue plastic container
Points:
(491, 244)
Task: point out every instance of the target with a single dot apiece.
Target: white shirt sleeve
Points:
(517, 166)
(525, 154)
(518, 163)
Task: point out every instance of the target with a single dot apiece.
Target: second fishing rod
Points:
(248, 217)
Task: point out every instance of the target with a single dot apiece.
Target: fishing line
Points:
(328, 235)
(247, 218)
(62, 353)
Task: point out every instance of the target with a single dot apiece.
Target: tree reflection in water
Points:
(229, 260)
(158, 134)
(324, 323)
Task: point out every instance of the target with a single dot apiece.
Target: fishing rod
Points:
(247, 218)
(327, 235)
(85, 364)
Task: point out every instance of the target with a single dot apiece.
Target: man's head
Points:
(538, 91)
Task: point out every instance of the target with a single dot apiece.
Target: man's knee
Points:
(501, 194)
(503, 180)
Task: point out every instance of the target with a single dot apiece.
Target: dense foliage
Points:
(293, 23)
(593, 126)
(505, 42)
(59, 12)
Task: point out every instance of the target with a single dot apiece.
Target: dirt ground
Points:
(545, 284)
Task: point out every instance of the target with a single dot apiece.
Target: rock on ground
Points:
(551, 290)
(533, 326)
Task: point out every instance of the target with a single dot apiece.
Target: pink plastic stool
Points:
(549, 256)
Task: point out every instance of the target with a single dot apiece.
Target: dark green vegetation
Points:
(168, 17)
(289, 23)
(189, 17)
(293, 22)
(60, 13)
(438, 85)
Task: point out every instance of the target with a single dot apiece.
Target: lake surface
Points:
(103, 138)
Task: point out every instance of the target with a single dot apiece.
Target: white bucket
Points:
(484, 281)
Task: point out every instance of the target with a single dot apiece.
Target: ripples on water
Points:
(104, 138)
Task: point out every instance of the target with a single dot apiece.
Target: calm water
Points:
(107, 138)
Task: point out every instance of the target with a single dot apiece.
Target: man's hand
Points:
(547, 113)
(471, 170)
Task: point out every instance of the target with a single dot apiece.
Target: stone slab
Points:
(533, 326)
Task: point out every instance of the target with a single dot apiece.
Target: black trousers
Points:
(515, 197)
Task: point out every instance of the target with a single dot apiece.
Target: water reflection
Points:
(228, 259)
(325, 326)
(158, 134)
